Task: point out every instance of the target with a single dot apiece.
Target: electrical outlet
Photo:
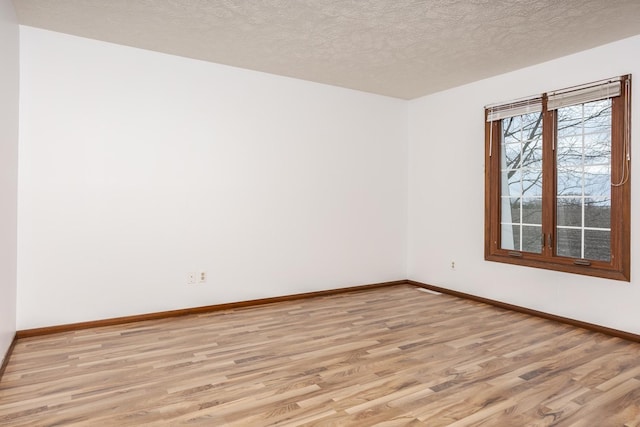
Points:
(202, 276)
(192, 277)
(453, 265)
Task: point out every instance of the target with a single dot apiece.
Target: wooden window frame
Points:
(619, 268)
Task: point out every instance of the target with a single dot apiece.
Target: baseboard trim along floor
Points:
(194, 310)
(578, 323)
(210, 308)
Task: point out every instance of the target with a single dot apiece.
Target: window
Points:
(557, 180)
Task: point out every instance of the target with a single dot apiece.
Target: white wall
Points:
(9, 85)
(446, 194)
(138, 167)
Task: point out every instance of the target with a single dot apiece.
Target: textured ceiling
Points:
(400, 48)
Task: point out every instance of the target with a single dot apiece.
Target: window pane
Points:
(531, 126)
(531, 239)
(597, 213)
(532, 182)
(510, 212)
(569, 120)
(532, 211)
(597, 245)
(512, 156)
(597, 181)
(597, 115)
(569, 181)
(521, 183)
(569, 151)
(583, 159)
(532, 154)
(569, 242)
(513, 186)
(510, 237)
(597, 148)
(569, 212)
(511, 130)
(587, 180)
(584, 118)
(588, 149)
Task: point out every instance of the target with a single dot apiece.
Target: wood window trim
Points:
(619, 268)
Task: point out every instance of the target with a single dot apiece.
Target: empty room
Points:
(319, 213)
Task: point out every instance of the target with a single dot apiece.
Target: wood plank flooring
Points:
(390, 357)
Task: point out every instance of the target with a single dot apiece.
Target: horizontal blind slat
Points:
(575, 96)
(512, 109)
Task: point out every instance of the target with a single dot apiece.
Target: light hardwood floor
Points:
(393, 356)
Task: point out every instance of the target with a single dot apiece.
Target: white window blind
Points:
(603, 89)
(513, 108)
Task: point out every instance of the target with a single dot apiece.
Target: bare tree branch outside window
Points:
(583, 163)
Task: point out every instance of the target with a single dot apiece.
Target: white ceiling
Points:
(400, 48)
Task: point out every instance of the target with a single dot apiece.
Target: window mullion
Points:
(548, 180)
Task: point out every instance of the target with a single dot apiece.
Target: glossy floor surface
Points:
(392, 356)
